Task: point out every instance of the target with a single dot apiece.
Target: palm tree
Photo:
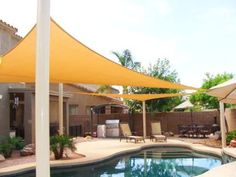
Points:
(126, 60)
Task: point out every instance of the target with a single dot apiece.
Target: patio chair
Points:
(126, 133)
(156, 133)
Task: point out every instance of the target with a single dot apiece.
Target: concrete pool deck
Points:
(102, 149)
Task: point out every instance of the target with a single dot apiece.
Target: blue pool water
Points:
(158, 162)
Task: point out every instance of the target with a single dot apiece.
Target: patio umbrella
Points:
(226, 93)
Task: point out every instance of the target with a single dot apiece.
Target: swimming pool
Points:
(158, 162)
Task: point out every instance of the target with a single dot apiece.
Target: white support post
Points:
(42, 89)
(144, 120)
(67, 119)
(222, 124)
(60, 89)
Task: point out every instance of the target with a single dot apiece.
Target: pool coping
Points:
(116, 149)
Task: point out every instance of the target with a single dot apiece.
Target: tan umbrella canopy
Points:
(226, 93)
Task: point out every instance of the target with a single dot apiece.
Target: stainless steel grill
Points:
(112, 128)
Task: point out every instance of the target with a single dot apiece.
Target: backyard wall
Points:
(169, 121)
(230, 115)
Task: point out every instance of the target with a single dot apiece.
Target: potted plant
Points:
(58, 143)
(231, 138)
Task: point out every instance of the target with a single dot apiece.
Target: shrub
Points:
(6, 149)
(17, 142)
(230, 135)
(58, 143)
(7, 144)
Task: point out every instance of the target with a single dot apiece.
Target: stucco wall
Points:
(5, 107)
(231, 118)
(83, 101)
(4, 110)
(8, 40)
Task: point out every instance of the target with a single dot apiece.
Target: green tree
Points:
(161, 70)
(104, 89)
(125, 58)
(200, 98)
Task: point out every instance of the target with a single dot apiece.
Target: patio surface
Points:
(100, 149)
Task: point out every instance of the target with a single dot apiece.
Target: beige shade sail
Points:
(72, 62)
(139, 97)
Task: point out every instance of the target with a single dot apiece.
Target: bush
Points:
(231, 135)
(6, 149)
(7, 144)
(17, 142)
(58, 143)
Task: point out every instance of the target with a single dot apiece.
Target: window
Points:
(73, 109)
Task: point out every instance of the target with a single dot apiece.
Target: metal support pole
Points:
(222, 124)
(42, 89)
(60, 89)
(144, 120)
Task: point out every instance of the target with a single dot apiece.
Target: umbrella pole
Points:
(42, 89)
(60, 88)
(144, 120)
(222, 124)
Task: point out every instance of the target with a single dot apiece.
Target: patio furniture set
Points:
(194, 131)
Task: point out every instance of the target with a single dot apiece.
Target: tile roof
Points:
(10, 27)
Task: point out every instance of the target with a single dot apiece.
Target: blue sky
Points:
(197, 36)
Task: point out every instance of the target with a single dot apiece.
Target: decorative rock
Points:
(28, 150)
(2, 158)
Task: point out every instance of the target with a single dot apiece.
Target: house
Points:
(17, 103)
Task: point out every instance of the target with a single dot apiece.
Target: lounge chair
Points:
(126, 133)
(156, 133)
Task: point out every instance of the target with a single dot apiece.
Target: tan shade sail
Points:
(139, 97)
(72, 62)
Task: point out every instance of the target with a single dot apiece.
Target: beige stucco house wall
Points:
(73, 104)
(8, 39)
